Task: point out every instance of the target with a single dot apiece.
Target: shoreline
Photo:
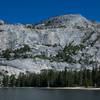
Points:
(53, 88)
(73, 88)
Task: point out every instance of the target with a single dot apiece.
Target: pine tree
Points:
(5, 81)
(12, 81)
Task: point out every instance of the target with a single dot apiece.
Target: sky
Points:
(34, 11)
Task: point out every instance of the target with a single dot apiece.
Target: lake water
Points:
(46, 94)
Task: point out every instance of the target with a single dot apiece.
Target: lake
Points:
(47, 94)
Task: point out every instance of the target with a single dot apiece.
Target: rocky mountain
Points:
(58, 42)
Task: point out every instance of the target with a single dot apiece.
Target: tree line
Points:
(51, 78)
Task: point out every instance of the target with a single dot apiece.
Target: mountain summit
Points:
(69, 20)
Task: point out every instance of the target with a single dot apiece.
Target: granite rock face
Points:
(47, 38)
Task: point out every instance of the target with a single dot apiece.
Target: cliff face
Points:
(45, 40)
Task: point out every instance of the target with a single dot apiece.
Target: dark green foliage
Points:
(41, 57)
(5, 81)
(21, 52)
(68, 52)
(12, 81)
(49, 22)
(66, 78)
(6, 54)
(62, 26)
(18, 53)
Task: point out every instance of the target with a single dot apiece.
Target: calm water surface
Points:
(46, 94)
